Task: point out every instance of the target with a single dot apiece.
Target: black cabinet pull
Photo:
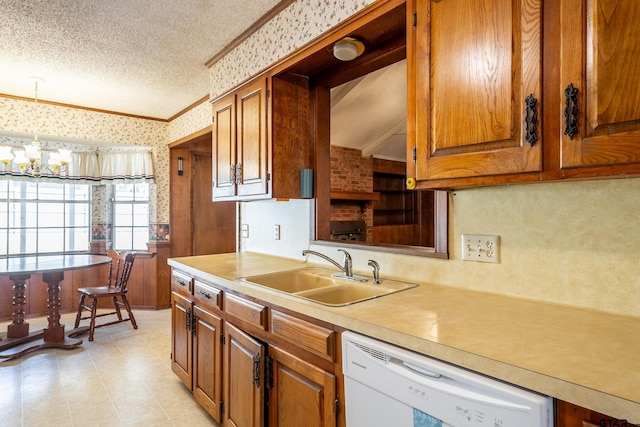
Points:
(571, 111)
(531, 119)
(204, 294)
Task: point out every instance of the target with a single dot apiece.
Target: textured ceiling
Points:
(141, 57)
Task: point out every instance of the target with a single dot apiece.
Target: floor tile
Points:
(121, 378)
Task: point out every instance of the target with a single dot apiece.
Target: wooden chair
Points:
(116, 289)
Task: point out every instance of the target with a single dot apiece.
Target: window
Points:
(130, 216)
(43, 217)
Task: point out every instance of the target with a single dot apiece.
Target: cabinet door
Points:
(569, 415)
(600, 47)
(207, 362)
(243, 379)
(301, 394)
(181, 342)
(252, 138)
(224, 147)
(475, 64)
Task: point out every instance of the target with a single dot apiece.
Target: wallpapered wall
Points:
(295, 26)
(80, 130)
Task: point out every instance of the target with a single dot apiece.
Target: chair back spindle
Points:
(115, 291)
(120, 269)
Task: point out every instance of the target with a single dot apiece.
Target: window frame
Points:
(136, 200)
(31, 225)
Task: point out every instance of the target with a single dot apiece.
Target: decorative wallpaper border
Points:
(295, 26)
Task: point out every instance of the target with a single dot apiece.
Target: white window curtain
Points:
(125, 166)
(107, 166)
(84, 168)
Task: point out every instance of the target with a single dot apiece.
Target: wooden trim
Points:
(190, 107)
(354, 195)
(190, 137)
(249, 31)
(335, 33)
(441, 226)
(78, 107)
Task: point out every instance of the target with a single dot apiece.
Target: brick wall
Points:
(351, 172)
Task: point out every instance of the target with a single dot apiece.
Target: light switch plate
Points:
(481, 248)
(244, 230)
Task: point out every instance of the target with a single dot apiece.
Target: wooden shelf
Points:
(354, 195)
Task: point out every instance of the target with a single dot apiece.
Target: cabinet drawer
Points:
(181, 283)
(303, 334)
(207, 296)
(248, 311)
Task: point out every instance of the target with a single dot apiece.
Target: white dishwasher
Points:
(388, 386)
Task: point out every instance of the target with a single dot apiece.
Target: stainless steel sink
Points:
(319, 285)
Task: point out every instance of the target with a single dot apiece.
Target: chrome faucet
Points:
(347, 268)
(376, 271)
(348, 263)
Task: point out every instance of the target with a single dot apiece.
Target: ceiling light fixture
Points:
(29, 160)
(348, 49)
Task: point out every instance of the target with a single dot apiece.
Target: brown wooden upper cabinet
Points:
(261, 140)
(240, 146)
(474, 87)
(600, 85)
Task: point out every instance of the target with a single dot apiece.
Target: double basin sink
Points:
(325, 286)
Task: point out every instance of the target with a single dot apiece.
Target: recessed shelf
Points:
(354, 195)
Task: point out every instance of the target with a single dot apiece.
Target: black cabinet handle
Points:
(531, 119)
(204, 294)
(571, 111)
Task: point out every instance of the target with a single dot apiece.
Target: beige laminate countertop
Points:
(588, 358)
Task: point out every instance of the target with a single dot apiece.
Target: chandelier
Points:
(29, 159)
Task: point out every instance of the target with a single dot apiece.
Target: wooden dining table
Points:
(18, 340)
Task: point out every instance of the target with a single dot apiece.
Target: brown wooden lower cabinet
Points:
(250, 364)
(570, 415)
(244, 379)
(300, 394)
(207, 361)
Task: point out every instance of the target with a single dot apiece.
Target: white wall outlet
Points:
(276, 232)
(244, 230)
(481, 248)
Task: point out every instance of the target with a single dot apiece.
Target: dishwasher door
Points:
(388, 386)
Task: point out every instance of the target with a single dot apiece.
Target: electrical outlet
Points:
(276, 232)
(481, 248)
(244, 230)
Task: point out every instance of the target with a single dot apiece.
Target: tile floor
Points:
(122, 378)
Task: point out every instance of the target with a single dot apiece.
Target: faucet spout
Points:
(347, 269)
(307, 252)
(348, 263)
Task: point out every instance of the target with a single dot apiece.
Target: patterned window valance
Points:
(88, 165)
